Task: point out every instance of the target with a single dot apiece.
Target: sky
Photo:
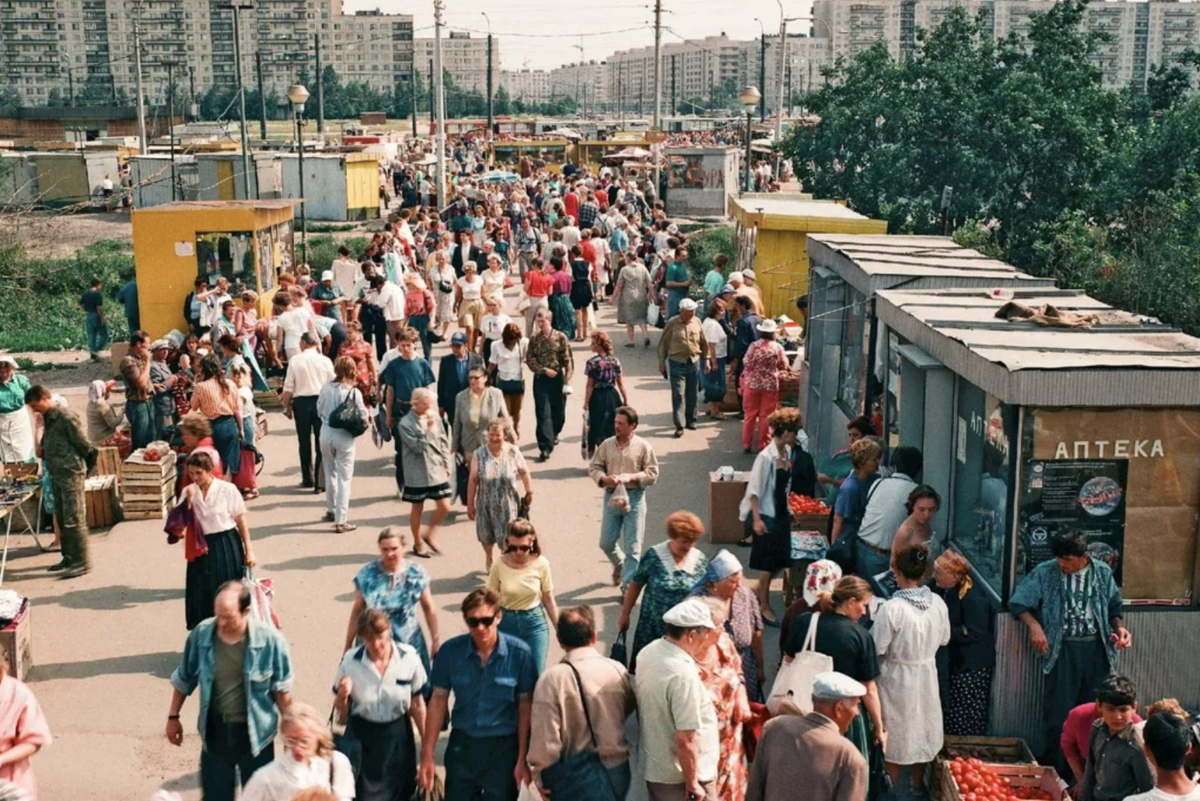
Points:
(542, 34)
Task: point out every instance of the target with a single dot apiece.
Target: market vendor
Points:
(1072, 608)
(16, 426)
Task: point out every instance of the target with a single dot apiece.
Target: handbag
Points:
(619, 651)
(445, 287)
(348, 417)
(792, 691)
(581, 776)
(249, 467)
(511, 386)
(879, 783)
(262, 608)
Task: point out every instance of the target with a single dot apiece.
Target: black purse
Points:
(582, 776)
(879, 784)
(348, 417)
(619, 651)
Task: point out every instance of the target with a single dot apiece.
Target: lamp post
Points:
(762, 67)
(298, 96)
(749, 98)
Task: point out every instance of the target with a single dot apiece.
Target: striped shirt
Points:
(212, 402)
(1078, 618)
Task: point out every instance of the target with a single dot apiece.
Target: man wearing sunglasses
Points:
(492, 676)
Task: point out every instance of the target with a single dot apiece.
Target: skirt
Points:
(970, 692)
(470, 313)
(562, 315)
(714, 383)
(225, 431)
(602, 412)
(581, 295)
(225, 561)
(772, 551)
(387, 769)
(419, 494)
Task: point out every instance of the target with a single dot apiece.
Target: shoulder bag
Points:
(348, 417)
(792, 691)
(844, 549)
(582, 776)
(620, 651)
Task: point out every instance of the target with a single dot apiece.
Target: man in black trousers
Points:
(307, 372)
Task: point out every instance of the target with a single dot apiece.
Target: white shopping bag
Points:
(792, 691)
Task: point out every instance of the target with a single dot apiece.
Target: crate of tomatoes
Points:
(809, 514)
(970, 779)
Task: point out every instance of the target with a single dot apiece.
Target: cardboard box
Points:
(119, 351)
(16, 643)
(724, 498)
(100, 493)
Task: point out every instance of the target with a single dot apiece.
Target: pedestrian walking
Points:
(552, 363)
(713, 377)
(308, 761)
(220, 513)
(442, 278)
(419, 307)
(127, 296)
(633, 296)
(721, 672)
(812, 752)
(627, 461)
(243, 670)
(403, 372)
(507, 365)
(358, 349)
(16, 424)
(337, 444)
(521, 577)
(493, 324)
(95, 327)
(582, 274)
(562, 312)
(605, 391)
(469, 301)
(680, 745)
(453, 376)
(378, 699)
(307, 373)
(217, 399)
(428, 468)
(580, 705)
(760, 385)
(499, 489)
(139, 390)
(539, 284)
(475, 409)
(23, 732)
(739, 613)
(678, 281)
(65, 452)
(492, 677)
(680, 349)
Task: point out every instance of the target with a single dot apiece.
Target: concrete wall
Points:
(700, 180)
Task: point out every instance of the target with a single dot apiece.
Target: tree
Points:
(501, 103)
(9, 97)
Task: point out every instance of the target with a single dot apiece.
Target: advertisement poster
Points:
(1087, 496)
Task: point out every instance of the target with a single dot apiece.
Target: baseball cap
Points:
(459, 338)
(687, 304)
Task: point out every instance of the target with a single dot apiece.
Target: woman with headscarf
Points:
(722, 581)
(971, 654)
(16, 425)
(103, 420)
(820, 576)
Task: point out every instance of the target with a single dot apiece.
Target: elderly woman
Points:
(441, 279)
(216, 397)
(363, 355)
(495, 279)
(428, 467)
(494, 499)
(474, 410)
(162, 385)
(633, 296)
(667, 572)
(398, 587)
(16, 425)
(521, 576)
(721, 670)
(760, 385)
(713, 372)
(337, 444)
(604, 393)
(308, 761)
(971, 655)
(909, 628)
(820, 576)
(103, 419)
(722, 581)
(378, 698)
(469, 299)
(220, 514)
(23, 732)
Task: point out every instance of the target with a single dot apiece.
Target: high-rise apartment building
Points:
(692, 70)
(531, 86)
(586, 82)
(463, 57)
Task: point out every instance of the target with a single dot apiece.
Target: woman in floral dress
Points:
(493, 500)
(721, 671)
(667, 572)
(397, 586)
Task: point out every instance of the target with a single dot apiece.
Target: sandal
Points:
(249, 495)
(421, 554)
(342, 528)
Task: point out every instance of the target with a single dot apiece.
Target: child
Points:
(1116, 764)
(1167, 740)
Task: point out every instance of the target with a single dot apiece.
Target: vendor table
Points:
(13, 506)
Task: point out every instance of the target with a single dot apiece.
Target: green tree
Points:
(501, 103)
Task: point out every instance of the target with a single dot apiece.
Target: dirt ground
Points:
(58, 236)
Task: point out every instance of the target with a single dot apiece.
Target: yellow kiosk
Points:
(250, 242)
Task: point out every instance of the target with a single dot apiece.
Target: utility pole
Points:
(70, 87)
(175, 193)
(193, 111)
(789, 90)
(658, 78)
(439, 92)
(137, 65)
(241, 90)
(490, 108)
(320, 90)
(262, 97)
(782, 64)
(674, 102)
(412, 81)
(762, 79)
(432, 102)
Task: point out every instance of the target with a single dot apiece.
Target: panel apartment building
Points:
(463, 57)
(65, 46)
(531, 86)
(691, 69)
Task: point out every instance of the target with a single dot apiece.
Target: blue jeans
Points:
(530, 626)
(685, 376)
(868, 563)
(621, 533)
(143, 428)
(97, 333)
(420, 322)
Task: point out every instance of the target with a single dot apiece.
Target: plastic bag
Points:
(522, 301)
(619, 499)
(262, 591)
(652, 314)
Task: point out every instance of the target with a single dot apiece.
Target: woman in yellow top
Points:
(522, 577)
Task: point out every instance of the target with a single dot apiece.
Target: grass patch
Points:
(331, 228)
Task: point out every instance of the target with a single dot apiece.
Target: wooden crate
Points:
(108, 462)
(1034, 776)
(147, 488)
(21, 469)
(16, 643)
(1001, 750)
(100, 493)
(818, 523)
(268, 400)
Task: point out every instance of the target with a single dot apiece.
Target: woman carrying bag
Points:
(343, 419)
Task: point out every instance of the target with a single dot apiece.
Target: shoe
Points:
(746, 450)
(647, 342)
(306, 484)
(631, 344)
(328, 518)
(556, 440)
(691, 426)
(60, 566)
(75, 571)
(678, 433)
(772, 623)
(616, 574)
(543, 456)
(745, 542)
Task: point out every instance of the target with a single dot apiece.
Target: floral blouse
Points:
(761, 365)
(603, 370)
(398, 594)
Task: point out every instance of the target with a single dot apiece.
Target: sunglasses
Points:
(520, 548)
(486, 622)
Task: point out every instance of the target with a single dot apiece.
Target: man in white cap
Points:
(750, 289)
(679, 351)
(812, 752)
(680, 745)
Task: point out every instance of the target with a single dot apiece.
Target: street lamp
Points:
(749, 99)
(298, 96)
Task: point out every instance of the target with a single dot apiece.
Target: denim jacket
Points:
(268, 671)
(1041, 594)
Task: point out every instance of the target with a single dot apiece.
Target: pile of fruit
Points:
(977, 781)
(804, 505)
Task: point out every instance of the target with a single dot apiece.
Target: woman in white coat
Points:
(908, 630)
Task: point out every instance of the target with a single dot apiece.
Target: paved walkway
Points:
(104, 645)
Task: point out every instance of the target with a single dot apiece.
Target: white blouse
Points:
(471, 290)
(508, 362)
(382, 698)
(285, 777)
(219, 509)
(493, 282)
(715, 335)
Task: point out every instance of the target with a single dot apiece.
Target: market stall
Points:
(1057, 413)
(700, 180)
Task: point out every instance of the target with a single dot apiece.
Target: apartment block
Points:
(691, 70)
(463, 57)
(855, 25)
(586, 82)
(531, 86)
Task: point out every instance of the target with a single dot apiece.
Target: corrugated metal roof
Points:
(870, 263)
(1121, 360)
(796, 206)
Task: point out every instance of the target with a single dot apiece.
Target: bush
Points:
(323, 250)
(702, 247)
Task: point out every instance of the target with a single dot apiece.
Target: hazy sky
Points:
(546, 33)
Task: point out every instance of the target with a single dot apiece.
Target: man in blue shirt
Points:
(855, 492)
(492, 677)
(399, 378)
(127, 296)
(244, 672)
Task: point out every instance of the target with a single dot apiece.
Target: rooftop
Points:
(782, 206)
(195, 205)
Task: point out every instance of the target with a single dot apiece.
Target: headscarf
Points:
(722, 566)
(954, 562)
(822, 575)
(96, 391)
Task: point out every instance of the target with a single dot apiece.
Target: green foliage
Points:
(323, 250)
(704, 246)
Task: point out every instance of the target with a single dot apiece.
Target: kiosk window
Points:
(230, 254)
(854, 354)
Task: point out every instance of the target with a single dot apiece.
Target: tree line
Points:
(1048, 170)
